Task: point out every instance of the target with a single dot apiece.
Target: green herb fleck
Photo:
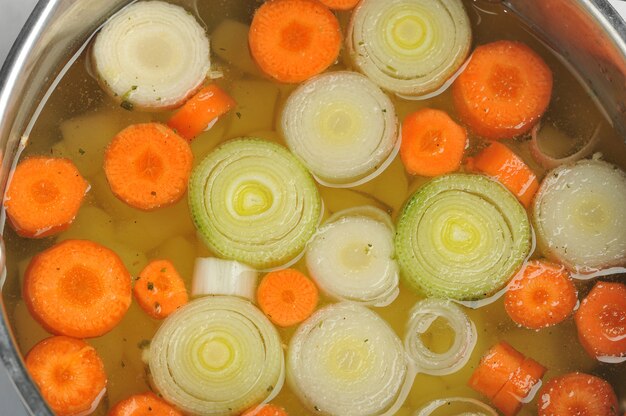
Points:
(317, 409)
(127, 105)
(81, 151)
(144, 343)
(238, 114)
(150, 286)
(270, 388)
(134, 87)
(163, 270)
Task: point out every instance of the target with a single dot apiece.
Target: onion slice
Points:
(548, 162)
(409, 47)
(346, 361)
(213, 276)
(342, 127)
(151, 55)
(468, 407)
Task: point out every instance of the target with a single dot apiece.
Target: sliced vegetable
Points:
(293, 40)
(345, 360)
(143, 404)
(469, 407)
(343, 128)
(520, 388)
(577, 394)
(351, 257)
(151, 55)
(148, 166)
(497, 366)
(601, 322)
(69, 374)
(213, 276)
(541, 295)
(44, 196)
(340, 4)
(217, 355)
(287, 297)
(159, 289)
(266, 410)
(201, 111)
(504, 90)
(77, 288)
(546, 133)
(579, 216)
(500, 163)
(410, 47)
(461, 237)
(253, 202)
(432, 143)
(421, 318)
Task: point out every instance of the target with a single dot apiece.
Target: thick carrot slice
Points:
(496, 367)
(541, 295)
(515, 392)
(145, 404)
(77, 288)
(601, 320)
(577, 394)
(432, 143)
(287, 297)
(69, 373)
(340, 4)
(160, 290)
(499, 162)
(266, 410)
(44, 196)
(148, 166)
(200, 111)
(293, 40)
(504, 90)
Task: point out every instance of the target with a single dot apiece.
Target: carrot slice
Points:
(541, 295)
(200, 111)
(77, 288)
(499, 162)
(159, 289)
(44, 196)
(601, 320)
(504, 90)
(287, 297)
(148, 166)
(144, 404)
(340, 4)
(293, 40)
(432, 143)
(496, 367)
(69, 374)
(515, 392)
(266, 410)
(577, 394)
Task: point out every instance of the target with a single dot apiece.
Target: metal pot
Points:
(588, 34)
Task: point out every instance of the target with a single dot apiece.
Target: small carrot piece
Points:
(542, 295)
(266, 410)
(503, 91)
(77, 288)
(69, 374)
(577, 394)
(340, 4)
(148, 166)
(144, 404)
(287, 297)
(601, 320)
(499, 162)
(432, 143)
(293, 40)
(44, 196)
(515, 392)
(159, 289)
(200, 111)
(496, 367)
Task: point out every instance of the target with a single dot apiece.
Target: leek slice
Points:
(352, 257)
(217, 355)
(151, 55)
(579, 216)
(466, 407)
(461, 237)
(409, 47)
(342, 127)
(252, 201)
(422, 316)
(346, 361)
(212, 276)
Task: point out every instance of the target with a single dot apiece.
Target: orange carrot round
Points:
(293, 40)
(69, 374)
(432, 143)
(144, 404)
(159, 289)
(541, 295)
(340, 4)
(496, 367)
(77, 288)
(200, 111)
(504, 90)
(287, 297)
(515, 392)
(499, 162)
(148, 166)
(44, 196)
(601, 320)
(266, 410)
(577, 394)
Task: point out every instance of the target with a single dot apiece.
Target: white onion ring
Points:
(548, 162)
